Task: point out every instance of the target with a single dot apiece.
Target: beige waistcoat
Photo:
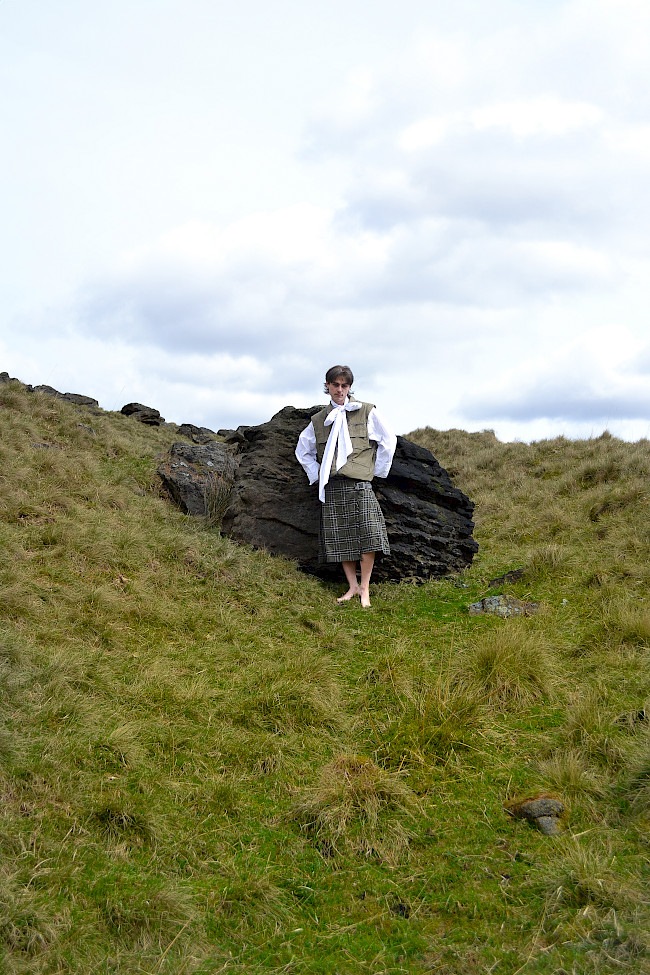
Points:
(361, 462)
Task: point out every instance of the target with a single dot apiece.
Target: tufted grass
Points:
(207, 765)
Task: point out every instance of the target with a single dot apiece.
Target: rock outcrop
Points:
(145, 414)
(429, 521)
(78, 398)
(189, 471)
(197, 434)
(255, 478)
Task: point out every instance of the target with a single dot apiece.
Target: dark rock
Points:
(513, 576)
(197, 434)
(76, 398)
(190, 470)
(503, 606)
(81, 400)
(272, 507)
(429, 521)
(234, 436)
(145, 414)
(633, 718)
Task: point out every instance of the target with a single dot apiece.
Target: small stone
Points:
(542, 812)
(503, 606)
(548, 825)
(534, 808)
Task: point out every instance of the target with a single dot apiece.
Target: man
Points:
(343, 448)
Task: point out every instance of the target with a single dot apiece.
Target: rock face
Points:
(429, 521)
(189, 471)
(196, 434)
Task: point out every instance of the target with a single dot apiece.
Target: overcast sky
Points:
(205, 204)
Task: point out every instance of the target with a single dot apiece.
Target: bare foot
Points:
(365, 598)
(350, 594)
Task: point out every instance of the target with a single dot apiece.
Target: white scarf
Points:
(339, 440)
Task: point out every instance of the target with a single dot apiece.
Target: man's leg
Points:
(367, 563)
(350, 569)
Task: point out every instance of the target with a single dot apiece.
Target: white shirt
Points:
(377, 431)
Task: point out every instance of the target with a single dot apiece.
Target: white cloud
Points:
(467, 222)
(543, 116)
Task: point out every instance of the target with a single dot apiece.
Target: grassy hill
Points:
(209, 766)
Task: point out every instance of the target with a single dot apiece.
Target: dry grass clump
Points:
(569, 773)
(119, 748)
(636, 787)
(27, 926)
(358, 806)
(583, 874)
(620, 624)
(511, 664)
(217, 495)
(139, 910)
(546, 560)
(288, 694)
(615, 501)
(590, 728)
(434, 720)
(119, 821)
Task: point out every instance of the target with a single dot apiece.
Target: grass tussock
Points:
(27, 926)
(207, 765)
(636, 776)
(584, 874)
(357, 805)
(217, 498)
(434, 722)
(512, 665)
(568, 772)
(283, 696)
(593, 729)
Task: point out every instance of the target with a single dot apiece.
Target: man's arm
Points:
(386, 443)
(306, 453)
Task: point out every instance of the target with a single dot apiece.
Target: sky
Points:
(207, 204)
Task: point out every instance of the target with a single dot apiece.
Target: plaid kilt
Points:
(351, 522)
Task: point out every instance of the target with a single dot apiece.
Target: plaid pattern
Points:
(351, 522)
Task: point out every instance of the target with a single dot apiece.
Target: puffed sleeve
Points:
(306, 453)
(386, 443)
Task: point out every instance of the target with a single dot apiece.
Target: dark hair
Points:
(334, 372)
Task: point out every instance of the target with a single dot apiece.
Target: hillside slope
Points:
(210, 766)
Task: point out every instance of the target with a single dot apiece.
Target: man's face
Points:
(338, 390)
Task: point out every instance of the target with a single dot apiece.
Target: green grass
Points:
(207, 765)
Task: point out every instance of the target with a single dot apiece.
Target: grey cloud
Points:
(640, 365)
(558, 403)
(180, 313)
(460, 264)
(175, 318)
(548, 186)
